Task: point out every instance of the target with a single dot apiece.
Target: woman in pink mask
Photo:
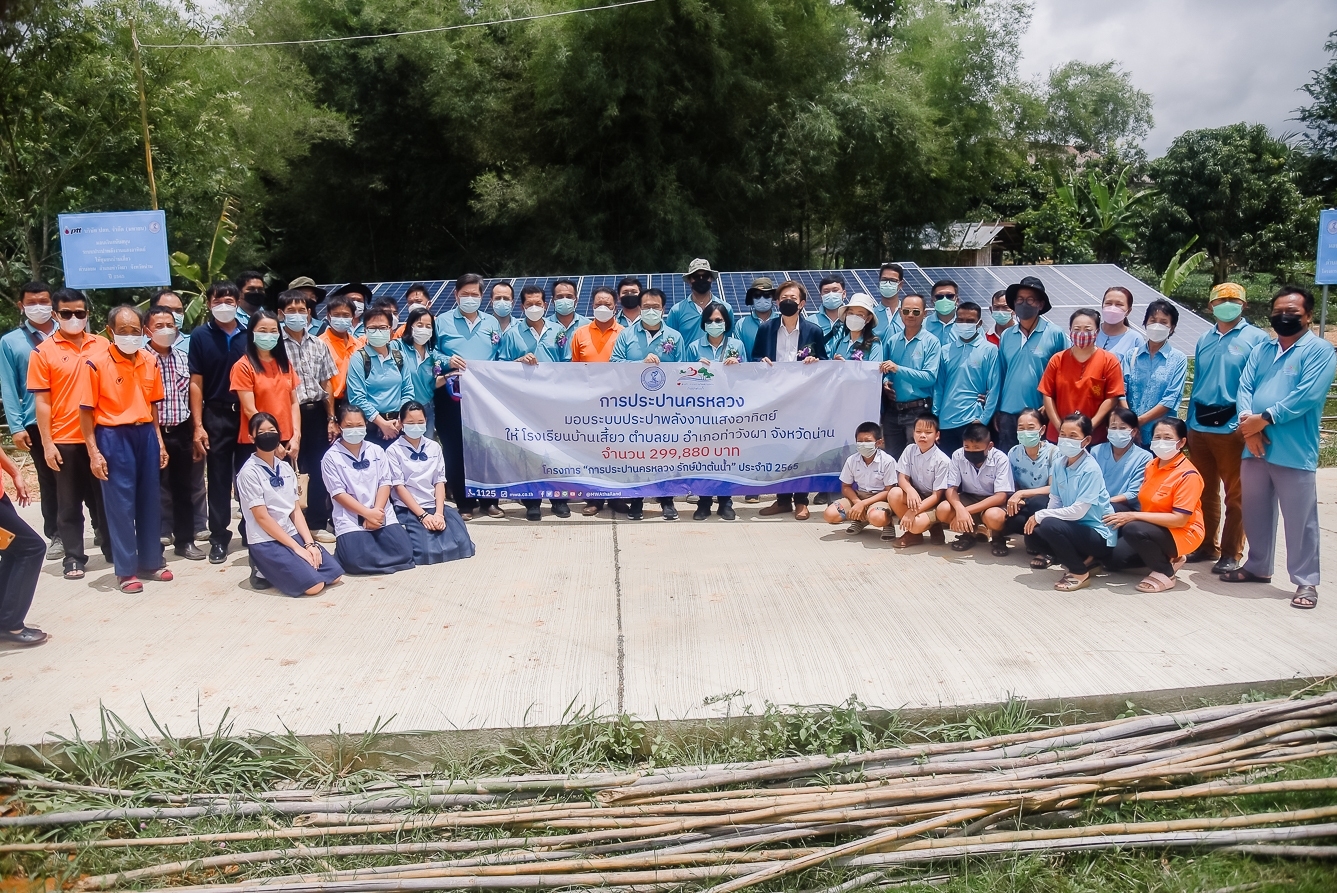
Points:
(1084, 378)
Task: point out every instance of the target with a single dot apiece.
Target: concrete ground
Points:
(660, 620)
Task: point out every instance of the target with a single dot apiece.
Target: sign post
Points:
(1325, 268)
(121, 249)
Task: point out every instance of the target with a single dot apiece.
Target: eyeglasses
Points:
(72, 314)
(378, 328)
(911, 311)
(1026, 299)
(944, 295)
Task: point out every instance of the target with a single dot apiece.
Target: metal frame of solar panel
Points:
(1069, 286)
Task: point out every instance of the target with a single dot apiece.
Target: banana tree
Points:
(225, 233)
(1107, 211)
(1180, 268)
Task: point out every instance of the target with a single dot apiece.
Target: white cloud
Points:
(1206, 63)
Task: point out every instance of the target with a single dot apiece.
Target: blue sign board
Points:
(1325, 270)
(121, 249)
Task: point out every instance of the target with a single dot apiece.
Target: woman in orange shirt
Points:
(265, 381)
(1170, 525)
(1083, 378)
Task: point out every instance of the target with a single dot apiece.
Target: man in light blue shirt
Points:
(1024, 350)
(940, 321)
(535, 340)
(761, 298)
(463, 335)
(889, 280)
(686, 315)
(831, 293)
(565, 318)
(1214, 440)
(1281, 397)
(649, 339)
(967, 389)
(910, 375)
(16, 348)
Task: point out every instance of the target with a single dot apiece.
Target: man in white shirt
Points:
(865, 482)
(979, 483)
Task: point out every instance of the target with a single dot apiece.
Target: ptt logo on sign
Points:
(74, 231)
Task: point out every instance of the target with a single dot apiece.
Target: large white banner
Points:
(633, 429)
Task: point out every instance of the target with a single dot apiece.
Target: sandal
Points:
(1156, 582)
(1041, 561)
(906, 540)
(1178, 564)
(161, 575)
(1072, 582)
(964, 542)
(1305, 597)
(74, 572)
(1000, 547)
(1240, 575)
(130, 584)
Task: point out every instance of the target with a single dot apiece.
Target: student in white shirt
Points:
(865, 482)
(978, 486)
(921, 477)
(418, 469)
(368, 538)
(280, 543)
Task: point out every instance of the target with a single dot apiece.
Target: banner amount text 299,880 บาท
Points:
(604, 430)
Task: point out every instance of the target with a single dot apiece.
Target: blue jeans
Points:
(130, 494)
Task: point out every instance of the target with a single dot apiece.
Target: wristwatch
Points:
(1267, 416)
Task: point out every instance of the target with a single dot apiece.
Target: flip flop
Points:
(1040, 562)
(74, 572)
(1306, 597)
(1071, 583)
(1156, 582)
(1240, 575)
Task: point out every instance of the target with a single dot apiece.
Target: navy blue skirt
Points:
(436, 546)
(290, 574)
(382, 551)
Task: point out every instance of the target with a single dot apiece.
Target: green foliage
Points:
(1180, 268)
(1107, 211)
(1095, 107)
(1319, 165)
(1235, 189)
(225, 233)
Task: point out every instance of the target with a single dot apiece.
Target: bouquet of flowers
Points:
(804, 354)
(856, 356)
(561, 339)
(731, 353)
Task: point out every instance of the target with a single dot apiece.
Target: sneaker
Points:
(562, 510)
(670, 513)
(56, 550)
(201, 536)
(702, 513)
(856, 527)
(635, 514)
(166, 540)
(533, 514)
(323, 536)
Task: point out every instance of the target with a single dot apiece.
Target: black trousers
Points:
(705, 502)
(75, 486)
(637, 505)
(898, 424)
(1016, 524)
(950, 439)
(535, 503)
(1072, 542)
(224, 459)
(20, 566)
(315, 444)
(1144, 545)
(179, 478)
(450, 429)
(787, 501)
(46, 480)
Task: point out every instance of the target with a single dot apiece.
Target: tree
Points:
(1107, 210)
(1320, 119)
(1095, 107)
(1234, 188)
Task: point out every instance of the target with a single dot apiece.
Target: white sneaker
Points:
(323, 536)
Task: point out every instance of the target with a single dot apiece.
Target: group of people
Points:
(335, 419)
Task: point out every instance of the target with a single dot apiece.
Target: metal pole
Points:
(1323, 315)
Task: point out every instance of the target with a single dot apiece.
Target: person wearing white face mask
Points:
(118, 390)
(178, 478)
(1072, 527)
(1168, 526)
(1122, 460)
(831, 294)
(360, 300)
(316, 371)
(1115, 334)
(501, 300)
(1155, 371)
(856, 339)
(215, 348)
(418, 470)
(424, 365)
(16, 349)
(368, 536)
(968, 379)
(379, 378)
(593, 343)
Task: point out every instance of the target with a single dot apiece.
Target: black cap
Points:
(1033, 284)
(355, 288)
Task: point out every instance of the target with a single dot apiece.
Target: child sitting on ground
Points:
(921, 474)
(865, 481)
(978, 486)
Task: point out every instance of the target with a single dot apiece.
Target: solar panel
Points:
(1069, 286)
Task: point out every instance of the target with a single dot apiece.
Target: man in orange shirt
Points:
(593, 343)
(1084, 378)
(343, 344)
(53, 379)
(119, 386)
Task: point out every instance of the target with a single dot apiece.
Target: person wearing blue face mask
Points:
(942, 321)
(831, 293)
(968, 379)
(1032, 460)
(501, 299)
(761, 299)
(565, 317)
(889, 283)
(1155, 371)
(368, 536)
(1122, 461)
(1003, 317)
(716, 343)
(379, 381)
(418, 472)
(1072, 526)
(423, 365)
(316, 371)
(686, 315)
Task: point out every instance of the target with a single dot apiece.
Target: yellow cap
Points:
(1230, 290)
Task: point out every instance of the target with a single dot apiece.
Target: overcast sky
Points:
(1206, 63)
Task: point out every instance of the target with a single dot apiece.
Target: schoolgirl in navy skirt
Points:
(368, 537)
(437, 531)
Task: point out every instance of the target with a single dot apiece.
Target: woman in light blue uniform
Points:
(854, 338)
(437, 531)
(424, 365)
(1032, 460)
(368, 537)
(1072, 526)
(1154, 373)
(716, 343)
(1122, 461)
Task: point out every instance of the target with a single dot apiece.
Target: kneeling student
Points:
(281, 546)
(978, 486)
(1072, 528)
(865, 482)
(437, 531)
(368, 537)
(921, 476)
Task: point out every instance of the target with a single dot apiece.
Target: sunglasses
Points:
(758, 293)
(911, 311)
(72, 314)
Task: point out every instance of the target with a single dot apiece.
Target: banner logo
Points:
(653, 378)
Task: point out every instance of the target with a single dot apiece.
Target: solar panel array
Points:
(1069, 286)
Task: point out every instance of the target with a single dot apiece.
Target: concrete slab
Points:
(660, 620)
